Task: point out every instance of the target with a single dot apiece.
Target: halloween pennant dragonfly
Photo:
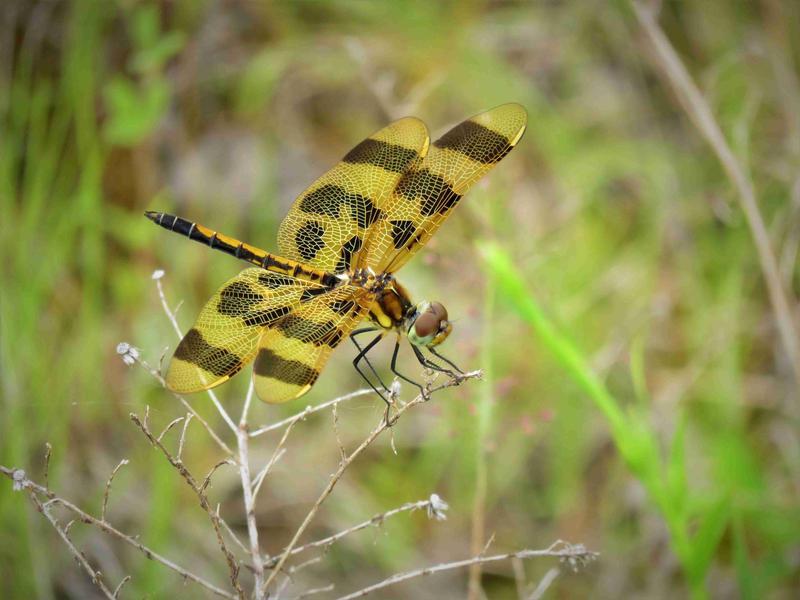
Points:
(340, 246)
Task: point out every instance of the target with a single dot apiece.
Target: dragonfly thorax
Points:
(426, 323)
(369, 280)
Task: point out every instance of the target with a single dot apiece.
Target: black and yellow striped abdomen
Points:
(241, 250)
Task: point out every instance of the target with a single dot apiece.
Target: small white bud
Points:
(129, 353)
(437, 508)
(157, 274)
(18, 478)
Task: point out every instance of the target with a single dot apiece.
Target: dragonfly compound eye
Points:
(426, 325)
(431, 326)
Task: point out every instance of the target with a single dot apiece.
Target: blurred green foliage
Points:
(637, 398)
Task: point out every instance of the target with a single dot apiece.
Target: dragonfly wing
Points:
(225, 336)
(328, 223)
(293, 350)
(427, 193)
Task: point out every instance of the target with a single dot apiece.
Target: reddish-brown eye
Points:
(427, 324)
(438, 309)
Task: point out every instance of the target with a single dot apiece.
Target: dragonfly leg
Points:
(422, 390)
(432, 365)
(445, 359)
(363, 355)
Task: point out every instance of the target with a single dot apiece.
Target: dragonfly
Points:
(340, 246)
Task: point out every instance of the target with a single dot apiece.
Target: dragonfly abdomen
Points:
(240, 250)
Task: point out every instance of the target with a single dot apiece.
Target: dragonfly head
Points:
(428, 324)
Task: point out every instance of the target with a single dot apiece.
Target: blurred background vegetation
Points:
(612, 221)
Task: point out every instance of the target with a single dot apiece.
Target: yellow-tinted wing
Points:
(427, 193)
(327, 224)
(225, 336)
(293, 350)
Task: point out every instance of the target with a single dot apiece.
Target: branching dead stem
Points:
(63, 532)
(263, 584)
(121, 464)
(21, 482)
(199, 491)
(433, 505)
(574, 555)
(347, 460)
(243, 440)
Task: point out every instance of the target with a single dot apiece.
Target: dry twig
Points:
(434, 505)
(276, 456)
(95, 576)
(121, 464)
(130, 357)
(310, 410)
(243, 438)
(545, 584)
(199, 490)
(576, 556)
(346, 461)
(21, 482)
(121, 584)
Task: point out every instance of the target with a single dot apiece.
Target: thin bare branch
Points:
(218, 405)
(233, 535)
(247, 400)
(308, 411)
(205, 424)
(211, 471)
(21, 482)
(182, 439)
(575, 555)
(375, 521)
(249, 500)
(305, 564)
(382, 425)
(545, 584)
(122, 583)
(342, 451)
(487, 545)
(48, 452)
(68, 526)
(154, 372)
(276, 455)
(233, 566)
(169, 426)
(121, 464)
(95, 576)
(314, 591)
(157, 275)
(701, 115)
(291, 571)
(520, 582)
(262, 474)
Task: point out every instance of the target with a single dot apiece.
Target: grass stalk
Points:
(699, 112)
(483, 422)
(633, 438)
